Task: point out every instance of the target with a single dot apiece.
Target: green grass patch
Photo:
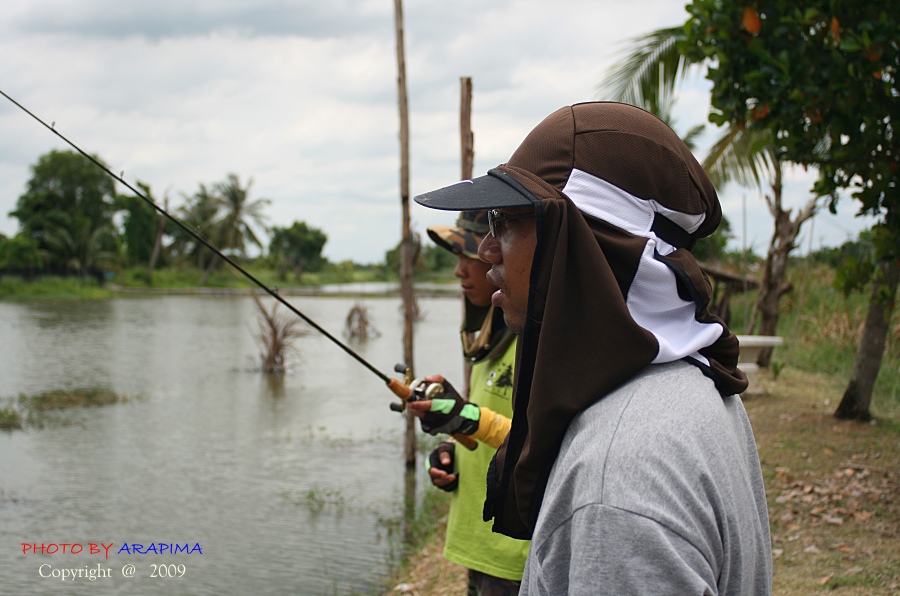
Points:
(51, 288)
(822, 329)
(226, 276)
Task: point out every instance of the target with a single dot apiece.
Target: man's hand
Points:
(441, 470)
(450, 414)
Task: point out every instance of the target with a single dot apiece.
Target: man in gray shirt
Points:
(630, 462)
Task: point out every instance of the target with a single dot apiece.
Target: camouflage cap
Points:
(463, 238)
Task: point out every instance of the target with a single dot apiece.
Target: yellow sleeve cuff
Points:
(492, 428)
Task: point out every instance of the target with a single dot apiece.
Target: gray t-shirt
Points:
(656, 489)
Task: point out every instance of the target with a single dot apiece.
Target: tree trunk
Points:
(157, 246)
(858, 395)
(406, 249)
(773, 286)
(209, 269)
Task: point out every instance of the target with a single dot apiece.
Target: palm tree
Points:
(647, 76)
(199, 213)
(234, 229)
(79, 247)
(240, 213)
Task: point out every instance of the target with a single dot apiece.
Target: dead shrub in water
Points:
(358, 324)
(275, 336)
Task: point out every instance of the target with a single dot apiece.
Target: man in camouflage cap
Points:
(495, 562)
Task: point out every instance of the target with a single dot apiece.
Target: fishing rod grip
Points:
(466, 441)
(403, 391)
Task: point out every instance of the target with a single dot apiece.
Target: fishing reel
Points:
(419, 389)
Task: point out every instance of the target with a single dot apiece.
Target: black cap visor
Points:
(494, 191)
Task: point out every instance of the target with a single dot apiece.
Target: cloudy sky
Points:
(300, 96)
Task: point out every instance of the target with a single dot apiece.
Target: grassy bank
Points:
(822, 328)
(225, 277)
(14, 289)
(832, 489)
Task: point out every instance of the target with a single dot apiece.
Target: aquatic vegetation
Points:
(275, 336)
(318, 499)
(31, 410)
(10, 419)
(69, 398)
(358, 325)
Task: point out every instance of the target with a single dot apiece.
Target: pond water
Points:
(289, 484)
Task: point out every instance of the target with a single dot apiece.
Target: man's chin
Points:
(515, 325)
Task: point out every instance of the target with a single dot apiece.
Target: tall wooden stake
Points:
(467, 159)
(406, 252)
(466, 138)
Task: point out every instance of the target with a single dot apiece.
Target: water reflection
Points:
(285, 481)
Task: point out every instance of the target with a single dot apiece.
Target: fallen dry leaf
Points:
(842, 547)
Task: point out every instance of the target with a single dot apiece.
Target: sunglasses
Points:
(496, 219)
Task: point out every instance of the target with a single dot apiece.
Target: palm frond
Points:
(649, 69)
(745, 156)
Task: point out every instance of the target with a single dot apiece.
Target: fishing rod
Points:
(409, 389)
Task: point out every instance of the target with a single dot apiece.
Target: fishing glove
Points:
(435, 462)
(451, 414)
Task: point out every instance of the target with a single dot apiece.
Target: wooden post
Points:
(467, 159)
(406, 253)
(467, 139)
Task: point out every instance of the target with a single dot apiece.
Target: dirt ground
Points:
(832, 486)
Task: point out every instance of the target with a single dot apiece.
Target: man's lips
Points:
(497, 296)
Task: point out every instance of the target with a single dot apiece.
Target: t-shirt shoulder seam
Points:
(628, 512)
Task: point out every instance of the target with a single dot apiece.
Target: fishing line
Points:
(273, 293)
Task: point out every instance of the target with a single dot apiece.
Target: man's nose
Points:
(489, 250)
(459, 271)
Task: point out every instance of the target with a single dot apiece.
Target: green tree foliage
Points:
(80, 248)
(821, 76)
(297, 248)
(20, 252)
(712, 248)
(856, 262)
(392, 257)
(139, 226)
(435, 258)
(67, 195)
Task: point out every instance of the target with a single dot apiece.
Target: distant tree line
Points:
(72, 222)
